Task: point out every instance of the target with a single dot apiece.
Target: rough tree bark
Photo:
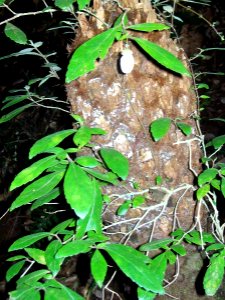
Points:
(125, 105)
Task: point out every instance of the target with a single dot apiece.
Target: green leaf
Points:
(162, 56)
(14, 270)
(14, 113)
(115, 161)
(179, 249)
(171, 257)
(155, 245)
(93, 220)
(33, 171)
(145, 295)
(216, 184)
(214, 275)
(12, 100)
(218, 141)
(61, 226)
(223, 186)
(123, 208)
(79, 190)
(46, 198)
(2, 1)
(32, 278)
(15, 34)
(52, 262)
(132, 264)
(82, 136)
(98, 267)
(64, 4)
(202, 86)
(87, 161)
(27, 240)
(158, 265)
(107, 177)
(82, 3)
(25, 293)
(49, 142)
(158, 180)
(37, 189)
(37, 254)
(74, 248)
(159, 128)
(214, 247)
(207, 175)
(202, 191)
(84, 57)
(137, 201)
(148, 27)
(185, 128)
(16, 257)
(208, 237)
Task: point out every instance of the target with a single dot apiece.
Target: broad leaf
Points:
(137, 201)
(84, 57)
(87, 161)
(123, 208)
(98, 267)
(158, 265)
(132, 263)
(145, 295)
(115, 161)
(148, 27)
(93, 220)
(46, 198)
(64, 4)
(171, 257)
(37, 189)
(49, 142)
(74, 248)
(15, 34)
(79, 190)
(218, 141)
(179, 249)
(25, 293)
(214, 247)
(52, 262)
(32, 278)
(27, 240)
(214, 275)
(207, 175)
(202, 191)
(82, 3)
(185, 128)
(159, 128)
(37, 254)
(14, 113)
(14, 270)
(61, 226)
(107, 177)
(155, 245)
(162, 56)
(33, 171)
(82, 136)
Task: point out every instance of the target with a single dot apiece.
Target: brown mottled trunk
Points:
(125, 105)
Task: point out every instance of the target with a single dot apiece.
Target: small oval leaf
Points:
(15, 34)
(98, 267)
(159, 128)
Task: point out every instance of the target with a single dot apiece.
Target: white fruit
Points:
(126, 61)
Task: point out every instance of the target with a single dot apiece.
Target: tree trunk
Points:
(125, 105)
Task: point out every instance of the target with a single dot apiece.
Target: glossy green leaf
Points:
(16, 257)
(171, 257)
(137, 201)
(158, 265)
(37, 189)
(27, 240)
(202, 86)
(155, 245)
(145, 295)
(93, 220)
(107, 177)
(148, 27)
(64, 4)
(61, 226)
(179, 249)
(52, 262)
(14, 113)
(15, 34)
(207, 175)
(159, 128)
(115, 161)
(98, 267)
(162, 56)
(84, 57)
(123, 208)
(185, 128)
(37, 254)
(79, 190)
(194, 237)
(14, 270)
(25, 293)
(132, 264)
(49, 142)
(87, 161)
(208, 237)
(218, 141)
(82, 3)
(33, 171)
(214, 275)
(178, 233)
(46, 198)
(122, 19)
(32, 278)
(223, 186)
(74, 248)
(97, 131)
(82, 137)
(214, 247)
(202, 191)
(216, 184)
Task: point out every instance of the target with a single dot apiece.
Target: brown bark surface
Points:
(125, 105)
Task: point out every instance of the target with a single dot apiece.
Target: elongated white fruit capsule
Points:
(126, 61)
